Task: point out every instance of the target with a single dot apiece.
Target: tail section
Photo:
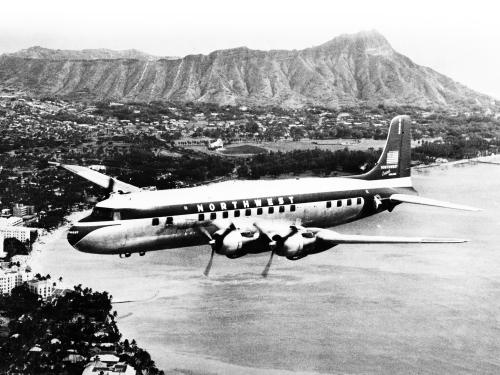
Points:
(396, 157)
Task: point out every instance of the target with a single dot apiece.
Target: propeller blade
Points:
(268, 265)
(204, 231)
(209, 265)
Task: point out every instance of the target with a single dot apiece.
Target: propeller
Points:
(214, 243)
(211, 242)
(273, 246)
(209, 265)
(275, 243)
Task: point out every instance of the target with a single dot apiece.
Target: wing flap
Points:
(98, 178)
(415, 199)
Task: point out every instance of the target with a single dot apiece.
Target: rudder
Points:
(395, 161)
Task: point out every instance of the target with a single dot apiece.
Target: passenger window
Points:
(292, 208)
(259, 211)
(156, 221)
(201, 217)
(237, 213)
(170, 220)
(349, 202)
(248, 212)
(359, 201)
(116, 215)
(282, 209)
(328, 204)
(213, 216)
(270, 210)
(225, 214)
(339, 203)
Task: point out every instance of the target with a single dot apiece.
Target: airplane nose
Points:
(75, 235)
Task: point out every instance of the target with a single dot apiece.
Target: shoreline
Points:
(490, 159)
(47, 237)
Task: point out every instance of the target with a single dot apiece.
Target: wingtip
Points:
(445, 240)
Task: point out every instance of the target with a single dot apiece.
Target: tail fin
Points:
(395, 159)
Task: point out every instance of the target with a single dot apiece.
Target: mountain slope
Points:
(38, 52)
(349, 70)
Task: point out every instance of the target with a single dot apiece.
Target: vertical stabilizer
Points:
(396, 157)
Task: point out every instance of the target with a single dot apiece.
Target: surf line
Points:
(138, 300)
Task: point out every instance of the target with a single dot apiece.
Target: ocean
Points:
(356, 309)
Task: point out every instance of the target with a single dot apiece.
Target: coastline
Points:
(47, 238)
(491, 159)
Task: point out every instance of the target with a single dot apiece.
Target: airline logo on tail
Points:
(393, 157)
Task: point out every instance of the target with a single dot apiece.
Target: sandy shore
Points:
(47, 239)
(491, 159)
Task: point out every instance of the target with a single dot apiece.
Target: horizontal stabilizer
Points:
(415, 199)
(107, 182)
(337, 238)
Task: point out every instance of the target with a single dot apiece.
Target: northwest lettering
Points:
(244, 203)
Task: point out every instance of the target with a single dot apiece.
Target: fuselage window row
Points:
(117, 215)
(237, 213)
(270, 210)
(349, 202)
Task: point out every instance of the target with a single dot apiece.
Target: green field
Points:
(324, 144)
(245, 149)
(252, 148)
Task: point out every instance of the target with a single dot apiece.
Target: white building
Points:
(44, 288)
(3, 254)
(11, 221)
(12, 277)
(107, 364)
(20, 233)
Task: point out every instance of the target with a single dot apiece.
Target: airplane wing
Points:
(283, 230)
(336, 238)
(415, 199)
(107, 182)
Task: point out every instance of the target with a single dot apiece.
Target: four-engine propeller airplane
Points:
(283, 217)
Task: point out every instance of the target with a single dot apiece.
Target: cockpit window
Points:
(102, 214)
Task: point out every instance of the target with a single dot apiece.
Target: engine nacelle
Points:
(233, 243)
(298, 245)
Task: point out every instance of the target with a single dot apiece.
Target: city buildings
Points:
(10, 221)
(21, 210)
(20, 233)
(3, 254)
(12, 277)
(107, 364)
(44, 287)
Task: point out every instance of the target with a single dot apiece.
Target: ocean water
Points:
(356, 309)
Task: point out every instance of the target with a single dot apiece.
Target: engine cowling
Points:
(233, 243)
(298, 245)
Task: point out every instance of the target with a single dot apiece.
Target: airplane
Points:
(285, 217)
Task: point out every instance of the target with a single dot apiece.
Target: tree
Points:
(22, 300)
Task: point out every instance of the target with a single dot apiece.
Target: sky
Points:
(460, 39)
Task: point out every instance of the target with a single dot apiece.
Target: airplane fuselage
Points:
(157, 220)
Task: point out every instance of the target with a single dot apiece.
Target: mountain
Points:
(349, 70)
(38, 52)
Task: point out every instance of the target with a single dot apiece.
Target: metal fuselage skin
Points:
(165, 219)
